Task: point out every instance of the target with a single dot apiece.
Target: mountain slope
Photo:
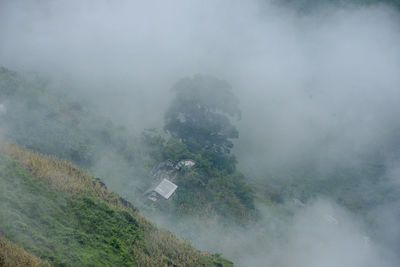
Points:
(12, 256)
(59, 213)
(35, 116)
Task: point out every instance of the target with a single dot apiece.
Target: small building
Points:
(164, 170)
(164, 173)
(165, 189)
(188, 163)
(167, 165)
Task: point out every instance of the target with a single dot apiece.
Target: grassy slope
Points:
(61, 214)
(15, 256)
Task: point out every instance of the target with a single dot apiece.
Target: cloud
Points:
(318, 234)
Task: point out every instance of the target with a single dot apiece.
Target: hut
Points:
(164, 189)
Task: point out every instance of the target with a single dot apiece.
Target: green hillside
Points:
(12, 255)
(51, 123)
(63, 215)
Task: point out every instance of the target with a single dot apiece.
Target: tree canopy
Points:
(200, 117)
(200, 114)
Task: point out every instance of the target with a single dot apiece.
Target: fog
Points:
(318, 87)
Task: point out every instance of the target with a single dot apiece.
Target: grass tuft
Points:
(12, 255)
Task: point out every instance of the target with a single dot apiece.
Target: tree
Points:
(200, 115)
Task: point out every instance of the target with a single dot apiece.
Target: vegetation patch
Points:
(61, 214)
(12, 255)
(198, 127)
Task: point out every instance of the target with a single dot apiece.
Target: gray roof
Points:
(166, 188)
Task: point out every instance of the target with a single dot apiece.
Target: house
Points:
(164, 189)
(164, 170)
(188, 163)
(164, 173)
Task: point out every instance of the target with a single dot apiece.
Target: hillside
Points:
(41, 120)
(37, 117)
(12, 256)
(60, 214)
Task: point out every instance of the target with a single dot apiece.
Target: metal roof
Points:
(166, 188)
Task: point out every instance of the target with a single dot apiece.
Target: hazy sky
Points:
(293, 73)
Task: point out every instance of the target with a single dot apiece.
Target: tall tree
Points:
(200, 115)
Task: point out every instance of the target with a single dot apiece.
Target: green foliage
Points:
(219, 261)
(203, 189)
(8, 83)
(81, 229)
(198, 121)
(359, 185)
(12, 255)
(52, 124)
(197, 116)
(225, 195)
(65, 231)
(220, 161)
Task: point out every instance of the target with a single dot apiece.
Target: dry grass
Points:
(63, 176)
(164, 249)
(13, 256)
(159, 247)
